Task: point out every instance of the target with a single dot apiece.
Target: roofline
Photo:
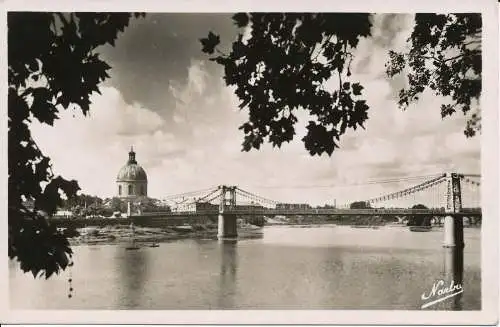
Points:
(131, 180)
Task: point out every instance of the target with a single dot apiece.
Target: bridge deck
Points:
(326, 212)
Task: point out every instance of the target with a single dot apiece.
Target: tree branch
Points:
(340, 85)
(220, 52)
(472, 42)
(453, 58)
(321, 48)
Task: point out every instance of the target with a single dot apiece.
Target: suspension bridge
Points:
(447, 197)
(443, 195)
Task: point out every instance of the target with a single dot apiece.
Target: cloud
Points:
(391, 30)
(183, 122)
(158, 49)
(92, 149)
(388, 32)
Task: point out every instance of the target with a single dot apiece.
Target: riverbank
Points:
(121, 233)
(126, 234)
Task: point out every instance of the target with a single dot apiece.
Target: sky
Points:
(170, 103)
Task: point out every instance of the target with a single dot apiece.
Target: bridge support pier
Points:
(453, 242)
(453, 259)
(453, 247)
(453, 232)
(227, 226)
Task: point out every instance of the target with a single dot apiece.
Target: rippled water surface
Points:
(328, 267)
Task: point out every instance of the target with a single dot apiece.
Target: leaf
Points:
(357, 88)
(210, 43)
(17, 108)
(42, 108)
(447, 110)
(241, 19)
(318, 140)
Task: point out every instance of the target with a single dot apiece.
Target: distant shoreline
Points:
(125, 234)
(119, 234)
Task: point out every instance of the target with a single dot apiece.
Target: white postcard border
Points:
(489, 162)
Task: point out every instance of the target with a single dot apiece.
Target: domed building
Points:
(132, 180)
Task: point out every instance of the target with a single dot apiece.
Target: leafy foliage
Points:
(419, 220)
(283, 62)
(445, 57)
(81, 200)
(118, 205)
(282, 67)
(140, 204)
(52, 66)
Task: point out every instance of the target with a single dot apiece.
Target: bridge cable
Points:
(257, 197)
(372, 182)
(189, 194)
(407, 191)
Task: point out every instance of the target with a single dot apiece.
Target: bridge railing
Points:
(168, 213)
(335, 211)
(312, 211)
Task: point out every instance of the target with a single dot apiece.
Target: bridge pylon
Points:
(453, 238)
(453, 225)
(226, 222)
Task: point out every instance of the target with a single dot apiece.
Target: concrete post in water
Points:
(227, 226)
(226, 222)
(220, 218)
(453, 225)
(449, 235)
(453, 240)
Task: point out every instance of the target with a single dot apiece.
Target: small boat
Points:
(154, 244)
(420, 228)
(183, 228)
(133, 247)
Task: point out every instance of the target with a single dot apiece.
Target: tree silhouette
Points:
(52, 66)
(282, 66)
(118, 204)
(445, 57)
(418, 220)
(360, 205)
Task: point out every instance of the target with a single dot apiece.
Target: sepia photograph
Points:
(221, 161)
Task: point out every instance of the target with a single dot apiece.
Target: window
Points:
(119, 190)
(142, 189)
(130, 190)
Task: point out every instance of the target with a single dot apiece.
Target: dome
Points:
(131, 171)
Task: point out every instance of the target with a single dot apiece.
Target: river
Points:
(316, 267)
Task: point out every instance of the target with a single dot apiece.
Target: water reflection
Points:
(290, 268)
(133, 269)
(228, 250)
(454, 275)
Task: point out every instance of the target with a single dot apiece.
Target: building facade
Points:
(292, 206)
(132, 181)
